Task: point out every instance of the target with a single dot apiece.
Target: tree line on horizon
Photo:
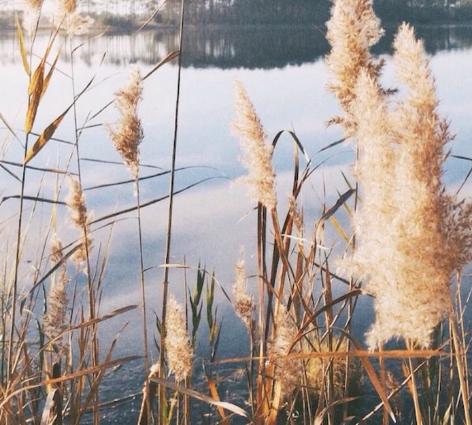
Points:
(309, 11)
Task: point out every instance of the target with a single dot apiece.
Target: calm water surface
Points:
(284, 73)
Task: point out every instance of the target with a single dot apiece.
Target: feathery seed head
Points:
(66, 7)
(287, 371)
(177, 342)
(34, 4)
(80, 218)
(316, 367)
(68, 16)
(410, 235)
(76, 203)
(31, 13)
(55, 317)
(243, 302)
(128, 133)
(352, 30)
(375, 170)
(257, 154)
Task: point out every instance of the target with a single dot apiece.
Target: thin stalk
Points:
(91, 296)
(143, 296)
(414, 388)
(20, 219)
(17, 263)
(165, 286)
(459, 355)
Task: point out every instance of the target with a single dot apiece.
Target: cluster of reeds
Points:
(409, 244)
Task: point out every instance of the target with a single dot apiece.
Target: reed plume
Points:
(411, 236)
(375, 170)
(178, 346)
(257, 154)
(68, 16)
(243, 302)
(431, 240)
(66, 7)
(55, 317)
(31, 13)
(80, 218)
(128, 133)
(316, 367)
(287, 371)
(352, 30)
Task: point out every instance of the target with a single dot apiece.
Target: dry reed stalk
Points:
(170, 219)
(126, 138)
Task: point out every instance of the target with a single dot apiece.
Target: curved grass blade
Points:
(42, 169)
(31, 198)
(47, 134)
(202, 397)
(11, 173)
(332, 145)
(104, 161)
(295, 139)
(152, 176)
(21, 39)
(154, 201)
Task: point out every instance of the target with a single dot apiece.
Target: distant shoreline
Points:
(117, 29)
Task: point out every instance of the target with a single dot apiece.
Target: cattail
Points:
(257, 154)
(79, 217)
(352, 30)
(243, 302)
(55, 317)
(128, 132)
(177, 342)
(287, 371)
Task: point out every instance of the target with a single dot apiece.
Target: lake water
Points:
(284, 73)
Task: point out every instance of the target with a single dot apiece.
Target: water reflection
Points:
(214, 220)
(236, 47)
